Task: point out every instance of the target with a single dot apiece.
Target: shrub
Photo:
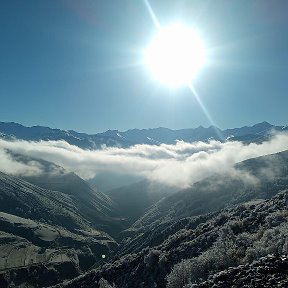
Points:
(223, 254)
(273, 241)
(180, 275)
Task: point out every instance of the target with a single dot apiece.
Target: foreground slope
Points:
(269, 271)
(44, 238)
(201, 246)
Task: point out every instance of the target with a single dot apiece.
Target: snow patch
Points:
(153, 140)
(229, 137)
(119, 135)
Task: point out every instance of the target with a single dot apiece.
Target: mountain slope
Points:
(29, 201)
(43, 232)
(93, 205)
(209, 195)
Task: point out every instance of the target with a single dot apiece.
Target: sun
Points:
(175, 55)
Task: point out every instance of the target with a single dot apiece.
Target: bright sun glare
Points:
(175, 55)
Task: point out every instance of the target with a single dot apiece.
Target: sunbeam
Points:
(152, 14)
(205, 111)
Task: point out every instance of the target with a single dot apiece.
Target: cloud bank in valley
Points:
(178, 165)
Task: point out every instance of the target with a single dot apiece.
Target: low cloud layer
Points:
(178, 165)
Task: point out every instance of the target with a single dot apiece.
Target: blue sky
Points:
(77, 64)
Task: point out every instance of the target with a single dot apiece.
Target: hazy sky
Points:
(78, 64)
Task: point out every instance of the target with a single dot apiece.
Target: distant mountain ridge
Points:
(155, 136)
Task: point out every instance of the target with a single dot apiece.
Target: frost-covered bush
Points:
(276, 219)
(273, 241)
(223, 254)
(180, 274)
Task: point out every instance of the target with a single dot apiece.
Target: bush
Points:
(180, 275)
(273, 241)
(223, 254)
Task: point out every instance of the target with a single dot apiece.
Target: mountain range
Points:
(156, 136)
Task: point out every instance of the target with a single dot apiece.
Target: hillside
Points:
(198, 247)
(93, 205)
(43, 232)
(210, 195)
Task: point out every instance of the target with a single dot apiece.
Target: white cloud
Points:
(10, 166)
(179, 165)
